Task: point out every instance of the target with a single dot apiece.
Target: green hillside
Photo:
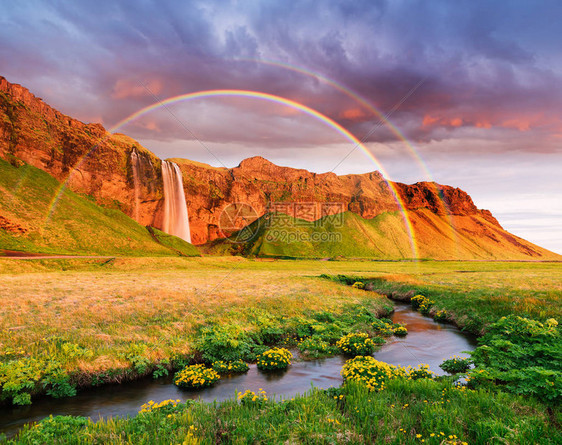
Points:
(346, 235)
(383, 237)
(76, 226)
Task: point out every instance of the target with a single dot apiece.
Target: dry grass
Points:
(160, 302)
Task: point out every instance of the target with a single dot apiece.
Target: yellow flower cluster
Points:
(252, 398)
(275, 358)
(371, 372)
(451, 439)
(400, 331)
(422, 303)
(152, 405)
(356, 344)
(374, 374)
(358, 285)
(196, 376)
(236, 366)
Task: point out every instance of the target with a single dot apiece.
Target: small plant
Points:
(227, 342)
(196, 376)
(161, 369)
(456, 364)
(441, 315)
(419, 372)
(235, 367)
(165, 405)
(400, 331)
(382, 327)
(250, 398)
(275, 358)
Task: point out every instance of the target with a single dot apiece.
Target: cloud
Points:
(480, 68)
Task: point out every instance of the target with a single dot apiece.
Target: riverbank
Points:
(427, 342)
(108, 322)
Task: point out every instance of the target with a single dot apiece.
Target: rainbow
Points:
(382, 117)
(261, 96)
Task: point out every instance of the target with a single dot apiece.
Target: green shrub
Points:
(224, 342)
(356, 344)
(275, 358)
(524, 356)
(196, 376)
(456, 364)
(358, 285)
(237, 366)
(316, 347)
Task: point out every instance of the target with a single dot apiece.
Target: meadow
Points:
(88, 321)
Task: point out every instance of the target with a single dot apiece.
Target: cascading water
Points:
(135, 163)
(176, 221)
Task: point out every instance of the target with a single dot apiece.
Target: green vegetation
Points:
(42, 221)
(493, 289)
(386, 328)
(516, 354)
(384, 237)
(456, 364)
(523, 356)
(129, 319)
(273, 359)
(404, 412)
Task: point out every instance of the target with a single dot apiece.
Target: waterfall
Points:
(176, 221)
(135, 163)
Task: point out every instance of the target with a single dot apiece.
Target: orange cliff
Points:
(97, 163)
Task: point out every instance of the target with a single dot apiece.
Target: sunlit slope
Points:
(383, 237)
(77, 225)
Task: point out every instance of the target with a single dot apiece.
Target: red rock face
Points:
(97, 163)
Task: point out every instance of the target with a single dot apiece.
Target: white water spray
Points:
(135, 163)
(176, 221)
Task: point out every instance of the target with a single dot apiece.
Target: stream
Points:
(427, 342)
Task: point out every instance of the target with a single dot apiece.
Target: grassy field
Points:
(108, 321)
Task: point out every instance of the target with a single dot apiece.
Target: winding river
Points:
(427, 342)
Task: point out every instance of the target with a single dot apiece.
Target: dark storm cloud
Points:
(483, 64)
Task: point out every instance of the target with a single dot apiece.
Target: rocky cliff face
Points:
(259, 183)
(94, 162)
(85, 156)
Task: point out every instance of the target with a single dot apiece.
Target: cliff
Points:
(93, 162)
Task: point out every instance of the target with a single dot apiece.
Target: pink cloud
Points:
(127, 88)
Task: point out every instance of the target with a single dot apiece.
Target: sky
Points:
(472, 90)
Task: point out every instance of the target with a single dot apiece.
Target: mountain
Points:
(445, 223)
